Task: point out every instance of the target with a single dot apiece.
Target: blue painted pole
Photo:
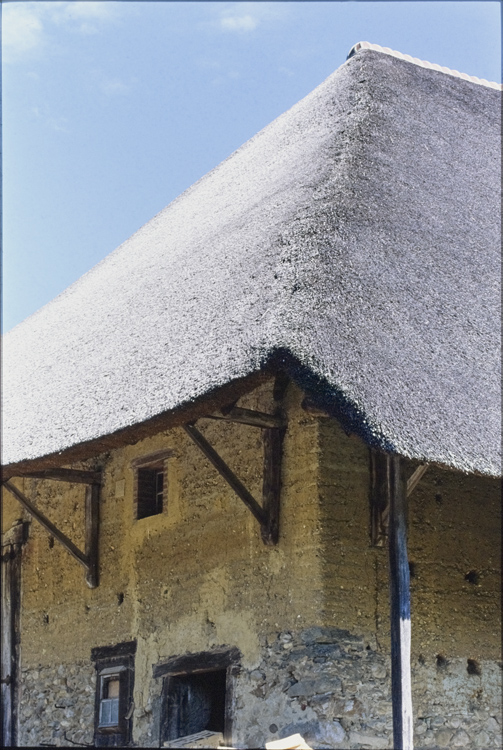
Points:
(400, 609)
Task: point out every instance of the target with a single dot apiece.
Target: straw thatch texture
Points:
(356, 238)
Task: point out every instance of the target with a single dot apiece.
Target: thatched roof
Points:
(354, 241)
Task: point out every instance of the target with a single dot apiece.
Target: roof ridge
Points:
(424, 64)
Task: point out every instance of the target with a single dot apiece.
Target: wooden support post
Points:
(379, 498)
(12, 542)
(273, 438)
(92, 534)
(400, 608)
(226, 472)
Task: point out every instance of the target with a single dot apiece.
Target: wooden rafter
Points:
(89, 558)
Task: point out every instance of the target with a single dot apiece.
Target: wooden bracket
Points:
(266, 514)
(379, 496)
(415, 478)
(89, 558)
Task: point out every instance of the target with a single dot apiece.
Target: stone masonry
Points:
(325, 683)
(334, 689)
(57, 706)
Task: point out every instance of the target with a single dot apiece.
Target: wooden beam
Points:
(217, 658)
(48, 525)
(415, 478)
(379, 498)
(249, 417)
(401, 694)
(92, 534)
(273, 438)
(225, 472)
(67, 475)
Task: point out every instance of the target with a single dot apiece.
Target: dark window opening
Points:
(150, 484)
(197, 695)
(195, 702)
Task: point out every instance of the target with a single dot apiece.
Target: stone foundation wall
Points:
(57, 706)
(327, 684)
(334, 689)
(457, 704)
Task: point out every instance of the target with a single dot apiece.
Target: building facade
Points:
(290, 637)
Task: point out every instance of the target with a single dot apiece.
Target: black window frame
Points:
(114, 662)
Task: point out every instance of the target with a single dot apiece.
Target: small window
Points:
(150, 492)
(109, 703)
(150, 484)
(114, 694)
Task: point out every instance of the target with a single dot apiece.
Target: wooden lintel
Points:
(158, 457)
(67, 475)
(249, 417)
(226, 472)
(415, 478)
(401, 693)
(48, 525)
(217, 658)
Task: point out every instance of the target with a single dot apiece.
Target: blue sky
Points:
(112, 109)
